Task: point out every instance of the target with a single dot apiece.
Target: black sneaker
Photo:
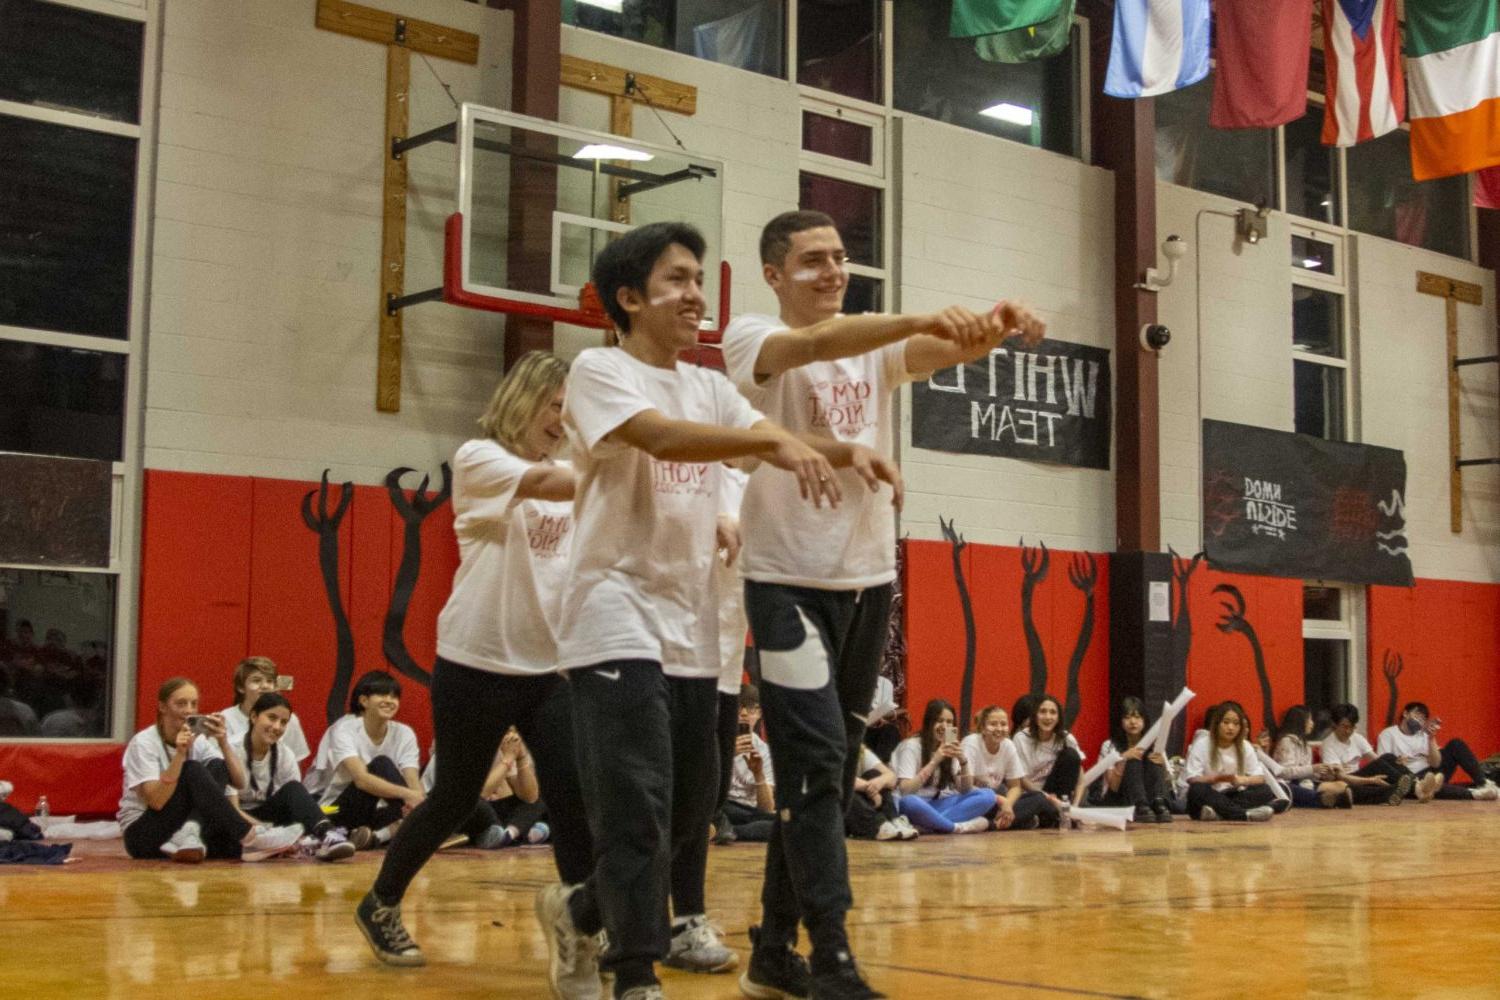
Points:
(843, 983)
(1163, 812)
(382, 927)
(1143, 814)
(775, 972)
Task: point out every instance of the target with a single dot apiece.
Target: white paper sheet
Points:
(1100, 766)
(1115, 817)
(1169, 713)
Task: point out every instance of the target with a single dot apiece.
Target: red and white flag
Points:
(1362, 60)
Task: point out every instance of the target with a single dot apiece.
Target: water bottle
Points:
(43, 811)
(1065, 816)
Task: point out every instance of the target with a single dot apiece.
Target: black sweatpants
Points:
(750, 825)
(511, 811)
(199, 795)
(1142, 784)
(292, 803)
(1232, 803)
(471, 710)
(862, 819)
(357, 807)
(1032, 805)
(815, 693)
(1062, 780)
(1385, 766)
(695, 787)
(728, 729)
(1456, 754)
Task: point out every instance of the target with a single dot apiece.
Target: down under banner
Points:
(1282, 504)
(1050, 403)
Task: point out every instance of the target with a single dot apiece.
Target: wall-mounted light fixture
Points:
(1250, 223)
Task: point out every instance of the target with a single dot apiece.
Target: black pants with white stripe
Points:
(820, 653)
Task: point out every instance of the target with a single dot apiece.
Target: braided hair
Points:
(266, 702)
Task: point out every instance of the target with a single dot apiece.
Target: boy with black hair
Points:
(818, 582)
(639, 635)
(1413, 742)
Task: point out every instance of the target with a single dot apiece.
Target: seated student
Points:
(1224, 775)
(513, 791)
(939, 796)
(1139, 779)
(481, 827)
(1022, 710)
(1413, 742)
(884, 729)
(750, 810)
(1308, 784)
(872, 812)
(367, 763)
(996, 766)
(253, 677)
(1050, 757)
(1347, 756)
(173, 801)
(273, 790)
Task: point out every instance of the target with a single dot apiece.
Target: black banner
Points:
(1283, 504)
(1050, 403)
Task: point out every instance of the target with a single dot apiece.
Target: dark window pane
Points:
(1313, 255)
(1317, 322)
(856, 210)
(943, 78)
(747, 34)
(60, 401)
(56, 652)
(1324, 604)
(1319, 400)
(838, 47)
(1325, 673)
(66, 202)
(836, 137)
(1311, 169)
(62, 57)
(1235, 163)
(864, 295)
(1385, 201)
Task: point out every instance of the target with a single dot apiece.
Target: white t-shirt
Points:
(789, 541)
(732, 626)
(146, 759)
(348, 738)
(1037, 759)
(502, 613)
(867, 760)
(1410, 751)
(742, 780)
(883, 705)
(265, 784)
(1203, 759)
(641, 582)
(1295, 758)
(293, 740)
(906, 761)
(992, 770)
(1345, 755)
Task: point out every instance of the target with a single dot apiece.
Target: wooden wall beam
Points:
(393, 231)
(602, 78)
(394, 29)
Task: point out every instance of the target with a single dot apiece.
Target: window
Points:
(61, 401)
(1320, 347)
(1385, 201)
(839, 47)
(746, 34)
(1329, 614)
(1237, 163)
(835, 136)
(1312, 169)
(59, 57)
(56, 659)
(1036, 103)
(1325, 673)
(858, 210)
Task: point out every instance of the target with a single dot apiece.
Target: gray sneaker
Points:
(1259, 814)
(382, 927)
(652, 992)
(697, 948)
(573, 972)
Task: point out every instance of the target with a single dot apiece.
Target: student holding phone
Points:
(253, 677)
(939, 796)
(751, 807)
(1413, 742)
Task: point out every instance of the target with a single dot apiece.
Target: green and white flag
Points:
(1037, 41)
(1453, 86)
(972, 18)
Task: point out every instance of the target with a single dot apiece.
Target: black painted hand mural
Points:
(966, 692)
(413, 512)
(1034, 565)
(1182, 625)
(1234, 620)
(326, 526)
(1391, 666)
(1083, 574)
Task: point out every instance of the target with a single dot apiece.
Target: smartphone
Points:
(283, 682)
(198, 724)
(950, 734)
(743, 729)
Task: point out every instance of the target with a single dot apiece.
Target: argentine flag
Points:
(1159, 46)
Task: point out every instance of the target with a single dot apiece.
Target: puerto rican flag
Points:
(1362, 53)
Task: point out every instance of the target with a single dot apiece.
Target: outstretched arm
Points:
(850, 336)
(927, 353)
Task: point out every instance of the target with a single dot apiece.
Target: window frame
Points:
(1348, 629)
(1338, 284)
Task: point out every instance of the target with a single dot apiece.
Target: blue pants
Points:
(939, 815)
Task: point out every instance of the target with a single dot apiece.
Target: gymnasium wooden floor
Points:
(1377, 903)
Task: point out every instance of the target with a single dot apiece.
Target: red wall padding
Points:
(1447, 634)
(77, 778)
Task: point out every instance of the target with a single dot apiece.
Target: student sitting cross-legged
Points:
(174, 800)
(1310, 784)
(253, 677)
(1140, 777)
(1347, 756)
(1413, 742)
(512, 790)
(367, 763)
(872, 812)
(750, 809)
(995, 765)
(937, 790)
(1050, 756)
(1224, 775)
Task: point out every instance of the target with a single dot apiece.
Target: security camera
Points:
(1174, 248)
(1155, 336)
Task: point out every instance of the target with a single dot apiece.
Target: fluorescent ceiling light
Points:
(610, 5)
(1312, 263)
(1013, 113)
(604, 151)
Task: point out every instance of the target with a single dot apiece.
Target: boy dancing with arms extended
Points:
(818, 582)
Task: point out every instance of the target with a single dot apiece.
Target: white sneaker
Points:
(269, 841)
(1259, 814)
(5, 789)
(888, 831)
(698, 948)
(186, 845)
(1207, 814)
(1486, 792)
(1428, 785)
(573, 969)
(976, 825)
(335, 846)
(652, 992)
(908, 832)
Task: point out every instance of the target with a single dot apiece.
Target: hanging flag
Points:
(972, 18)
(1362, 61)
(1487, 188)
(1159, 46)
(1453, 65)
(1038, 41)
(1260, 80)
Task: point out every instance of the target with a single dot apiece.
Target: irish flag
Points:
(1453, 85)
